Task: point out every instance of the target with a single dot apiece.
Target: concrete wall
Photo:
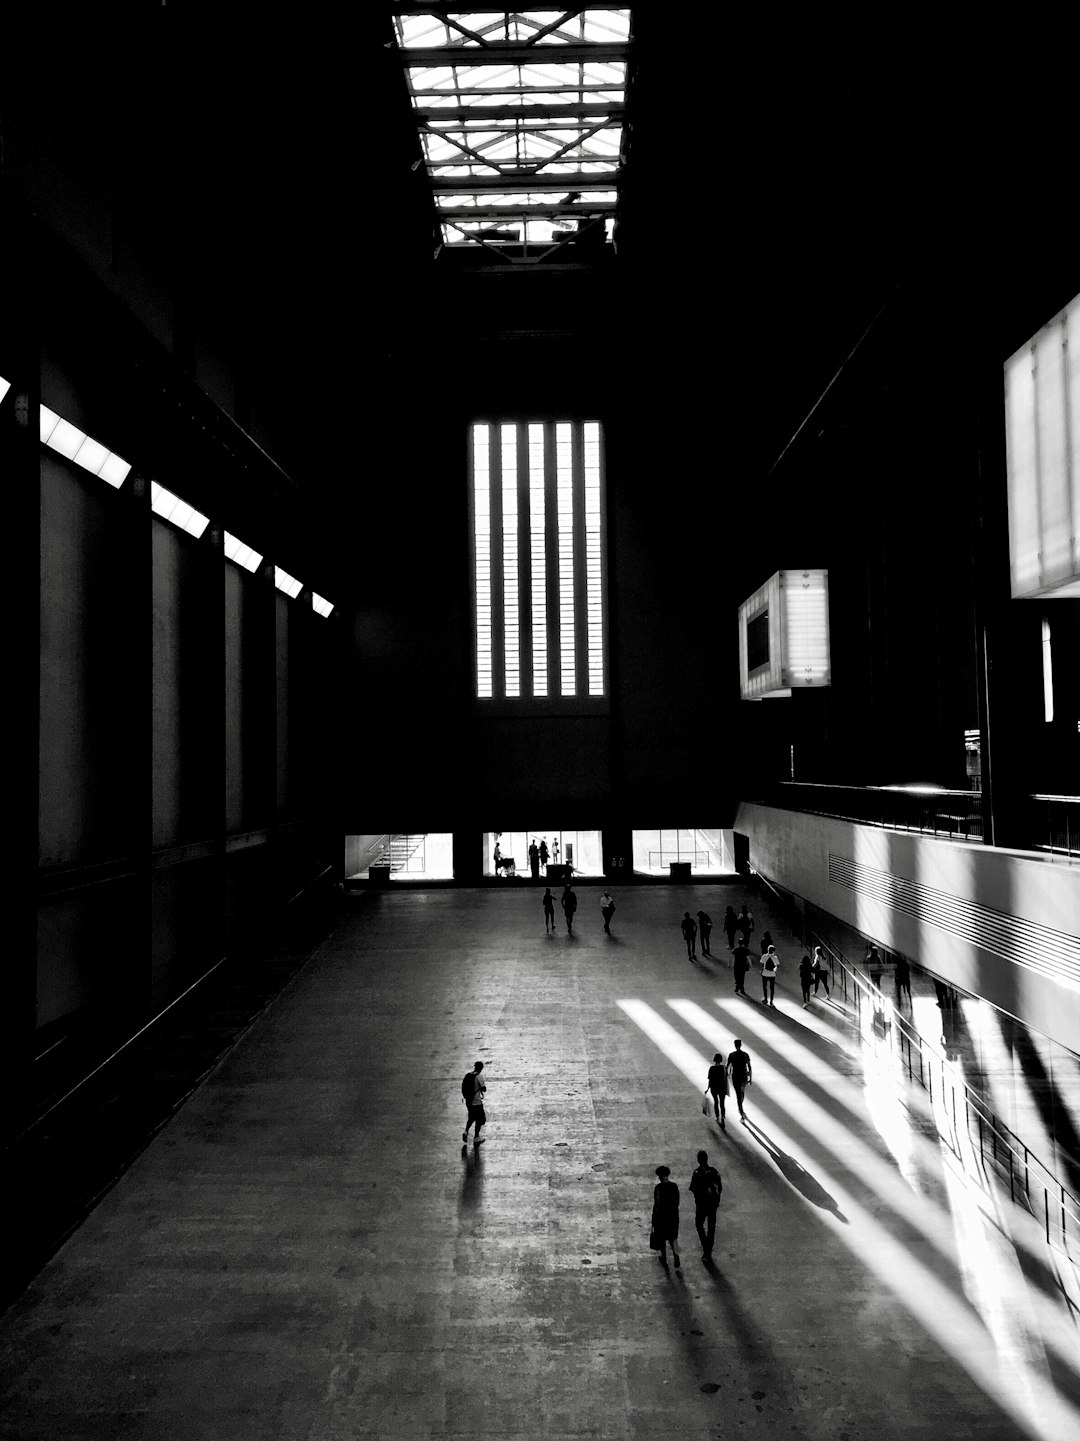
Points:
(1000, 924)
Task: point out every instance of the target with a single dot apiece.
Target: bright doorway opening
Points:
(683, 853)
(580, 850)
(400, 857)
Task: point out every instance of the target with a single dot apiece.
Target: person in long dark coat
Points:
(665, 1215)
(730, 923)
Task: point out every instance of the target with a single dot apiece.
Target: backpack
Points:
(468, 1087)
(709, 1194)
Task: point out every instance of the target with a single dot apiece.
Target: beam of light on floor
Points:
(936, 1155)
(952, 1323)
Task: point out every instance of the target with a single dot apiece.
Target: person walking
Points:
(766, 941)
(549, 911)
(717, 1084)
(534, 859)
(740, 964)
(689, 929)
(544, 853)
(706, 1188)
(665, 1215)
(806, 975)
(821, 972)
(730, 924)
(903, 980)
(770, 964)
(744, 922)
(741, 1073)
(704, 925)
(569, 905)
(607, 910)
(473, 1087)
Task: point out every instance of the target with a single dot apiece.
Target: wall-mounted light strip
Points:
(286, 582)
(324, 607)
(239, 552)
(171, 508)
(67, 440)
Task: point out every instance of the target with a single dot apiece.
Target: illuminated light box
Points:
(1042, 459)
(784, 635)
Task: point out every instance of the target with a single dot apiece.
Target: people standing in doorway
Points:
(718, 1088)
(770, 964)
(569, 905)
(744, 922)
(607, 910)
(730, 925)
(821, 971)
(473, 1087)
(903, 980)
(689, 929)
(740, 964)
(544, 853)
(555, 851)
(534, 859)
(806, 975)
(549, 911)
(706, 1188)
(665, 1215)
(741, 1073)
(704, 925)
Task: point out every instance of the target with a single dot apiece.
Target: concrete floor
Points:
(308, 1252)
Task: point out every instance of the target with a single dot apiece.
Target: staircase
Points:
(402, 850)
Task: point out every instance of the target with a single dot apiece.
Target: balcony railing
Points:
(957, 815)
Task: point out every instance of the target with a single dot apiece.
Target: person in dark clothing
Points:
(806, 975)
(544, 852)
(730, 924)
(472, 1090)
(704, 925)
(744, 922)
(718, 1087)
(549, 911)
(821, 971)
(903, 980)
(740, 964)
(665, 1215)
(569, 905)
(741, 1073)
(607, 910)
(706, 1187)
(689, 930)
(534, 860)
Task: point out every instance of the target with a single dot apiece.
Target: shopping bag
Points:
(706, 1102)
(654, 1241)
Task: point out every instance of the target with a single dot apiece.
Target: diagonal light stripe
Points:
(943, 1315)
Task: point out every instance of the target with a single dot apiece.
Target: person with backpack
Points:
(473, 1087)
(770, 964)
(706, 1188)
(740, 1071)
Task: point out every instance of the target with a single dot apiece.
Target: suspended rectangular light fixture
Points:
(1042, 460)
(324, 607)
(5, 386)
(286, 582)
(171, 508)
(236, 550)
(784, 635)
(67, 440)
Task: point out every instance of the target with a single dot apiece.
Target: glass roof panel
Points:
(511, 105)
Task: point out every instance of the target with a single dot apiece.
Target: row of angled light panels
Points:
(558, 123)
(74, 444)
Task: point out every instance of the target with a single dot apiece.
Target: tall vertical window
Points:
(538, 555)
(1048, 672)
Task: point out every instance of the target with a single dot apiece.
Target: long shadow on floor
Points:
(800, 1178)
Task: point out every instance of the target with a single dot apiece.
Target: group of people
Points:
(540, 854)
(569, 903)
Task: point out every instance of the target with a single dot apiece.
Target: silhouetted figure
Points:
(770, 964)
(534, 860)
(549, 911)
(569, 905)
(744, 922)
(730, 924)
(741, 1073)
(806, 975)
(665, 1215)
(766, 941)
(706, 1187)
(874, 966)
(607, 910)
(472, 1091)
(903, 980)
(718, 1088)
(555, 851)
(689, 929)
(544, 852)
(704, 922)
(821, 971)
(740, 964)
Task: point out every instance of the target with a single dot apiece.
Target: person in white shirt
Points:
(770, 964)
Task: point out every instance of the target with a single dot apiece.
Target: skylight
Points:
(521, 122)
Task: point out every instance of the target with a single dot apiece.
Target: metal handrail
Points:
(998, 1145)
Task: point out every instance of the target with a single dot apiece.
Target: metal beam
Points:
(570, 110)
(514, 52)
(505, 216)
(515, 180)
